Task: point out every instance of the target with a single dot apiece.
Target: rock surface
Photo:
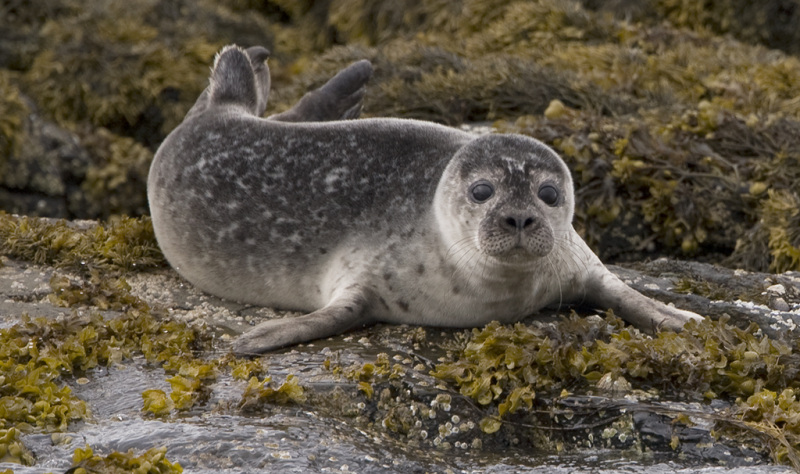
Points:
(339, 429)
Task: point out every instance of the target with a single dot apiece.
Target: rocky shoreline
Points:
(378, 381)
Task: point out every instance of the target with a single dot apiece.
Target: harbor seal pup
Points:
(371, 220)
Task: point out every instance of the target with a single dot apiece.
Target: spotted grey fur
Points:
(372, 220)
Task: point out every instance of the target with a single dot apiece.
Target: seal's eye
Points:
(480, 191)
(549, 194)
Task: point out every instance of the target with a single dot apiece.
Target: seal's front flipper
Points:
(604, 290)
(339, 99)
(340, 315)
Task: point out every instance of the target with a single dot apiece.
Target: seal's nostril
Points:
(518, 223)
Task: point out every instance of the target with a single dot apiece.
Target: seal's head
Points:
(509, 197)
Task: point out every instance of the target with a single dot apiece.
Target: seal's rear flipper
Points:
(339, 99)
(341, 315)
(258, 60)
(233, 83)
(233, 80)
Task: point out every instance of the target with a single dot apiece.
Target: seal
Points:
(370, 220)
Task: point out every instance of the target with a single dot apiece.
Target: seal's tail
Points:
(240, 77)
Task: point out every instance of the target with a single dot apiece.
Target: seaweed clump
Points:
(13, 450)
(152, 461)
(148, 85)
(259, 392)
(189, 384)
(777, 417)
(772, 23)
(121, 244)
(503, 368)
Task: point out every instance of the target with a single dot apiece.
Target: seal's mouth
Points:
(517, 255)
(516, 248)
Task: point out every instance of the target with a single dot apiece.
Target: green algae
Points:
(712, 357)
(157, 402)
(152, 461)
(121, 244)
(243, 369)
(37, 353)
